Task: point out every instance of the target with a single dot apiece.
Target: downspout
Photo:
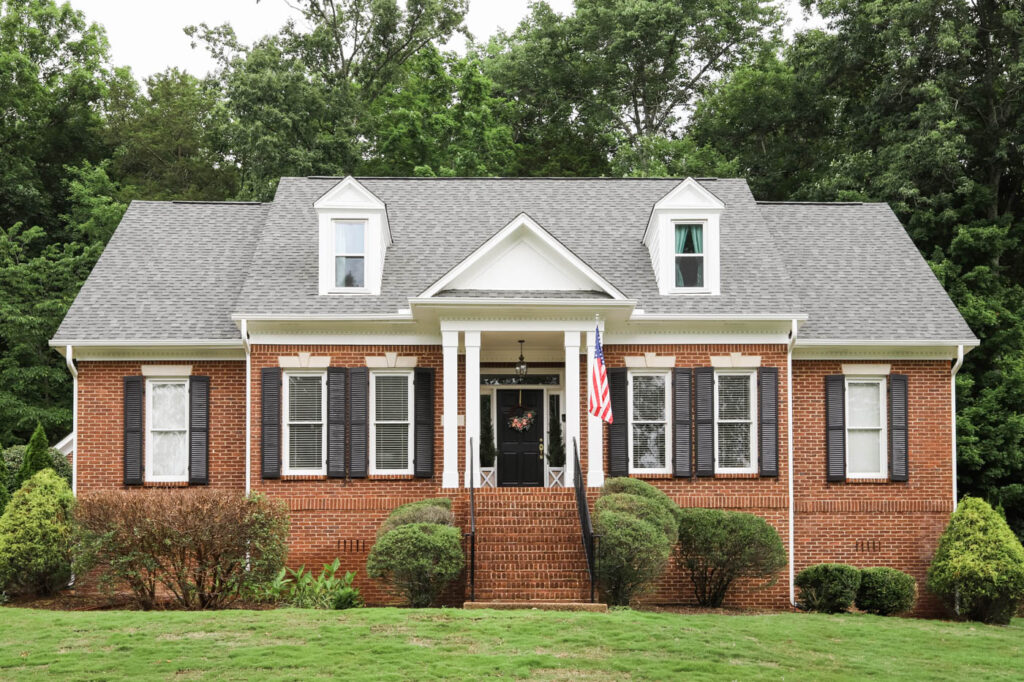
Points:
(789, 462)
(952, 399)
(248, 406)
(70, 361)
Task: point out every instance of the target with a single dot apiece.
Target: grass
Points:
(453, 644)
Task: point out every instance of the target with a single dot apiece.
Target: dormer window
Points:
(689, 255)
(349, 254)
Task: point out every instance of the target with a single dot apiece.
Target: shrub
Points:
(885, 591)
(206, 547)
(635, 486)
(5, 495)
(828, 588)
(299, 588)
(14, 455)
(632, 553)
(418, 560)
(437, 510)
(556, 444)
(37, 456)
(643, 508)
(35, 536)
(978, 569)
(718, 547)
(488, 451)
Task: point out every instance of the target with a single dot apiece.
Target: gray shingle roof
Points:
(180, 270)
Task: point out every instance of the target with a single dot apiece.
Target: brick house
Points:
(344, 347)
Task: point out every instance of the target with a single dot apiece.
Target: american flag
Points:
(600, 401)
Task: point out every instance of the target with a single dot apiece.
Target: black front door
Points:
(520, 437)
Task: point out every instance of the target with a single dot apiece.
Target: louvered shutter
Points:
(682, 433)
(358, 410)
(133, 395)
(198, 430)
(898, 469)
(423, 428)
(768, 420)
(270, 422)
(337, 382)
(704, 407)
(618, 430)
(835, 421)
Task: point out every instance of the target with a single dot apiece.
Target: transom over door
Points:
(520, 427)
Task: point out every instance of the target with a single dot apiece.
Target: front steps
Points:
(528, 549)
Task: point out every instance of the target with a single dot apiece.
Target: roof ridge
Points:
(214, 203)
(502, 177)
(815, 203)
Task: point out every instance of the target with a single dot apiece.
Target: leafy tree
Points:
(37, 455)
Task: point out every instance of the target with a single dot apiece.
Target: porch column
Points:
(595, 430)
(572, 403)
(472, 343)
(450, 416)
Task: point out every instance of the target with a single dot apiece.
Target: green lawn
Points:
(440, 644)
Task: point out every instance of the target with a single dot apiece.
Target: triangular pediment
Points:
(523, 256)
(349, 193)
(691, 195)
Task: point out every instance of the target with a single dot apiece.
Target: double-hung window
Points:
(736, 421)
(648, 407)
(167, 430)
(305, 403)
(866, 451)
(391, 394)
(350, 254)
(689, 258)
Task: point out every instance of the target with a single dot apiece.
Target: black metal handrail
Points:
(586, 528)
(471, 535)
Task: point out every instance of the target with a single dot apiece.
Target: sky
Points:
(148, 37)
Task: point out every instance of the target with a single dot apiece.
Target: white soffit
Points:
(349, 193)
(690, 194)
(523, 256)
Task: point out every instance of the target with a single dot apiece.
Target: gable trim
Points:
(520, 221)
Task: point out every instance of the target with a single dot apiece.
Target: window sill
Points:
(648, 477)
(165, 484)
(743, 474)
(870, 481)
(303, 477)
(392, 477)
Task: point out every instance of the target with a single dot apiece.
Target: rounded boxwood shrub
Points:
(418, 560)
(885, 591)
(635, 486)
(631, 555)
(643, 508)
(828, 588)
(35, 536)
(978, 569)
(418, 512)
(717, 547)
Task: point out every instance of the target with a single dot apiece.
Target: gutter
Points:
(957, 364)
(70, 362)
(248, 406)
(789, 465)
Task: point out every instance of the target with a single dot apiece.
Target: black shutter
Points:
(898, 470)
(423, 433)
(768, 420)
(682, 433)
(133, 388)
(358, 410)
(835, 421)
(618, 430)
(198, 430)
(704, 404)
(270, 422)
(337, 381)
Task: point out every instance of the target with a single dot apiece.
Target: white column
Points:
(450, 417)
(472, 342)
(595, 430)
(572, 403)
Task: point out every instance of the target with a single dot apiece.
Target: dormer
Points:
(683, 237)
(354, 238)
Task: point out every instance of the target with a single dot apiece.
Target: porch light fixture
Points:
(521, 367)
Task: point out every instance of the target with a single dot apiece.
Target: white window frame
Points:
(411, 421)
(883, 436)
(705, 287)
(667, 374)
(752, 468)
(364, 255)
(150, 477)
(286, 468)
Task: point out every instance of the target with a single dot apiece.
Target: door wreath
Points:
(520, 418)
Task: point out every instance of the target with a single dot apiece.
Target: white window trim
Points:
(667, 469)
(286, 468)
(373, 423)
(883, 435)
(752, 468)
(365, 222)
(150, 477)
